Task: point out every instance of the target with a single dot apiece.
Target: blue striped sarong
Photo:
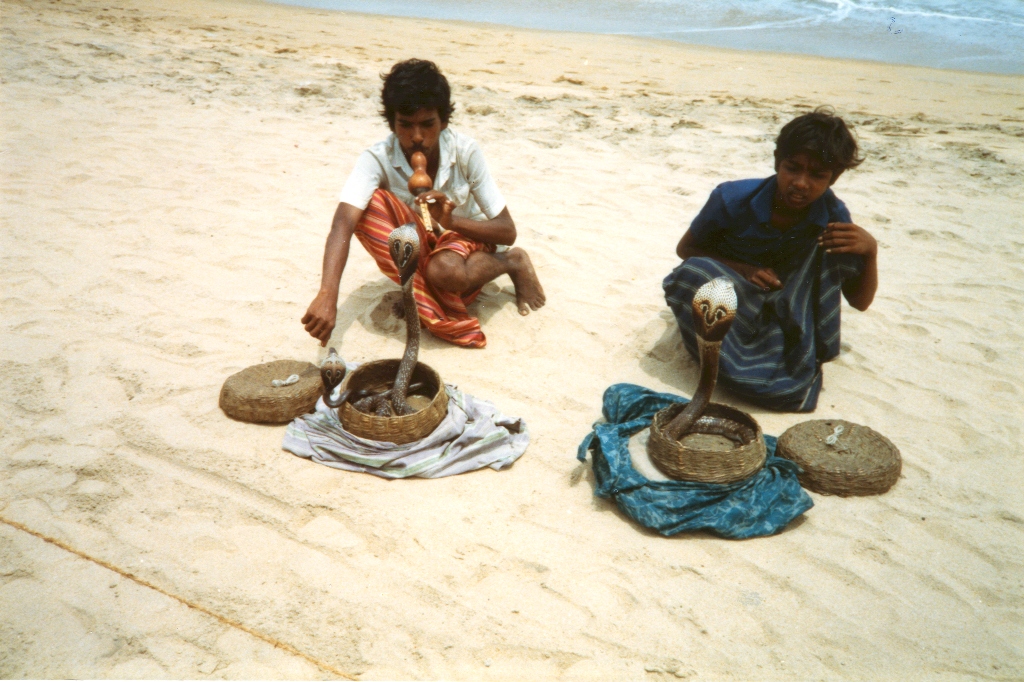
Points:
(773, 353)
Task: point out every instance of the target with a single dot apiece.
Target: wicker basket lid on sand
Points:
(841, 458)
(251, 396)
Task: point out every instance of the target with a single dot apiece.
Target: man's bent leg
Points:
(443, 314)
(383, 214)
(450, 272)
(768, 355)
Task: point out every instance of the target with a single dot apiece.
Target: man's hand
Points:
(762, 277)
(321, 316)
(848, 238)
(440, 209)
(765, 278)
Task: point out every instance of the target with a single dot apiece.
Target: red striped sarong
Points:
(444, 314)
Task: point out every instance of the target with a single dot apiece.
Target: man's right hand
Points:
(321, 316)
(322, 313)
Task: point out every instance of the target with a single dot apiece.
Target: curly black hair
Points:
(821, 135)
(413, 85)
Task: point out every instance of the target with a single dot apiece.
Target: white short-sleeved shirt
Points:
(462, 175)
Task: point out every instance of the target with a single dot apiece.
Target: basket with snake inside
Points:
(401, 400)
(701, 441)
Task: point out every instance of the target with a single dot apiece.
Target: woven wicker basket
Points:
(250, 397)
(862, 462)
(379, 376)
(701, 465)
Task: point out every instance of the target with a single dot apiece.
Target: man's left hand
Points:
(848, 238)
(440, 209)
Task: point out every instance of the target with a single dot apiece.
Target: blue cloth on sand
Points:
(762, 504)
(774, 351)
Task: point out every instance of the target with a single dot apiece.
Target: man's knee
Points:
(384, 207)
(703, 266)
(382, 195)
(447, 272)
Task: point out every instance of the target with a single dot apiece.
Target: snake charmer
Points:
(790, 248)
(468, 241)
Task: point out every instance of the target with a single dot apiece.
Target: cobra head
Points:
(332, 371)
(404, 245)
(714, 309)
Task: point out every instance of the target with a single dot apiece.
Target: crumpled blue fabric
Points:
(762, 504)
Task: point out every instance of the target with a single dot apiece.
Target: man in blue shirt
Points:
(790, 247)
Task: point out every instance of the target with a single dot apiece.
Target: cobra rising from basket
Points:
(376, 401)
(714, 309)
(332, 373)
(404, 246)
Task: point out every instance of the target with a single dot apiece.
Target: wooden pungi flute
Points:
(420, 182)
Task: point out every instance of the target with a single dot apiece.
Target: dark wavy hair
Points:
(413, 85)
(821, 135)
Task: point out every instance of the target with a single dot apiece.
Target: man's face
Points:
(419, 132)
(802, 180)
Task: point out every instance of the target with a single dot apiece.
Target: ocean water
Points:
(979, 35)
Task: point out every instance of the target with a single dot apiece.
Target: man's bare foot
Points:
(529, 292)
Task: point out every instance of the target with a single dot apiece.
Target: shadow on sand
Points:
(377, 307)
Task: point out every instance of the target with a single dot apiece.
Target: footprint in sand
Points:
(986, 352)
(386, 316)
(915, 330)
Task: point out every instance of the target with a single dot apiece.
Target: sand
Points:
(169, 171)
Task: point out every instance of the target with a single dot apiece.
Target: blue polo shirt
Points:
(735, 223)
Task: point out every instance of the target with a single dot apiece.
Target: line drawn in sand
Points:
(188, 603)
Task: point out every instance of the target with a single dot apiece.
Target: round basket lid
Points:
(251, 396)
(856, 461)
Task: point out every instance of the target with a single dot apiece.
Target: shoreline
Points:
(920, 78)
(919, 50)
(170, 171)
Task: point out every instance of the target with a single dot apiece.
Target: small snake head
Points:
(714, 309)
(332, 371)
(404, 245)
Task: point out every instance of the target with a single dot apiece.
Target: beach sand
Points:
(169, 172)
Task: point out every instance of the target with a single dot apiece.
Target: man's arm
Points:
(762, 277)
(322, 313)
(498, 230)
(860, 292)
(850, 238)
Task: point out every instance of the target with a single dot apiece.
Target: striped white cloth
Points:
(473, 435)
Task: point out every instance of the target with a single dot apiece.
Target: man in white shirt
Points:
(465, 201)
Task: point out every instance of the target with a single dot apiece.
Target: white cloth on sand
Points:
(472, 435)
